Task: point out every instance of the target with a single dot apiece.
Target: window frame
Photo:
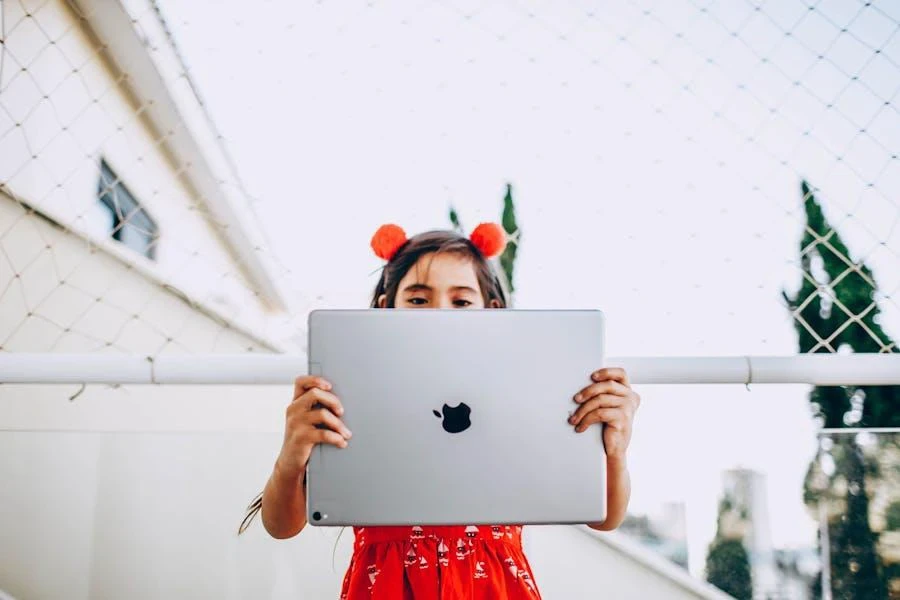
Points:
(127, 213)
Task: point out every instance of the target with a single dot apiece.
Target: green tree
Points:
(509, 224)
(852, 542)
(835, 309)
(893, 516)
(728, 568)
(727, 561)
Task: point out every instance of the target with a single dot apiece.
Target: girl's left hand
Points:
(611, 401)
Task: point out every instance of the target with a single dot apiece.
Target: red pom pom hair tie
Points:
(490, 239)
(387, 240)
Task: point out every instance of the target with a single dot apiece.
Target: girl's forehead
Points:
(443, 269)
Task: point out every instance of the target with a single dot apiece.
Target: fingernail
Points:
(340, 410)
(596, 376)
(344, 444)
(577, 397)
(348, 434)
(572, 419)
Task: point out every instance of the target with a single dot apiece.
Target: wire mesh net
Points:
(119, 232)
(694, 168)
(730, 106)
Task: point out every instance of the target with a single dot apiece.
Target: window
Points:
(129, 223)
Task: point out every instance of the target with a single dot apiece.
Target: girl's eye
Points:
(462, 303)
(417, 301)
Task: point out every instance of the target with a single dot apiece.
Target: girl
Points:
(438, 269)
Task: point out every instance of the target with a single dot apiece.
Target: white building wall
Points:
(63, 294)
(89, 485)
(63, 110)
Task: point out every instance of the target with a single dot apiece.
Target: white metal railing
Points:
(271, 369)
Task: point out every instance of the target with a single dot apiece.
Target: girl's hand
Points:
(610, 400)
(313, 417)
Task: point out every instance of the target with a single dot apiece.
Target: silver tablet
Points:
(458, 417)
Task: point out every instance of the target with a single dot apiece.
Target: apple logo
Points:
(455, 418)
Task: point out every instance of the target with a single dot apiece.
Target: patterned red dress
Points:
(405, 563)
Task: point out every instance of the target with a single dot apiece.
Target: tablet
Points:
(458, 417)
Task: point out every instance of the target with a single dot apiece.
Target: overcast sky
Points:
(656, 162)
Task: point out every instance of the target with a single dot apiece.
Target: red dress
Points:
(405, 563)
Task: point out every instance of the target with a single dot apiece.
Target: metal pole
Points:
(236, 369)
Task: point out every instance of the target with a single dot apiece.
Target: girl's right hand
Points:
(313, 417)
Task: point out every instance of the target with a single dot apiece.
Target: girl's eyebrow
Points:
(421, 287)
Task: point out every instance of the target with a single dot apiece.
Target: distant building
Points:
(797, 569)
(777, 574)
(745, 516)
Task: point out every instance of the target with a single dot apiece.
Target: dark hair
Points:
(437, 242)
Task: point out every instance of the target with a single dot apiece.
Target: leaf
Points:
(454, 220)
(508, 258)
(509, 212)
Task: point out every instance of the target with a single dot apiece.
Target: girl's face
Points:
(442, 280)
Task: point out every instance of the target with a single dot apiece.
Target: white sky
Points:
(343, 116)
